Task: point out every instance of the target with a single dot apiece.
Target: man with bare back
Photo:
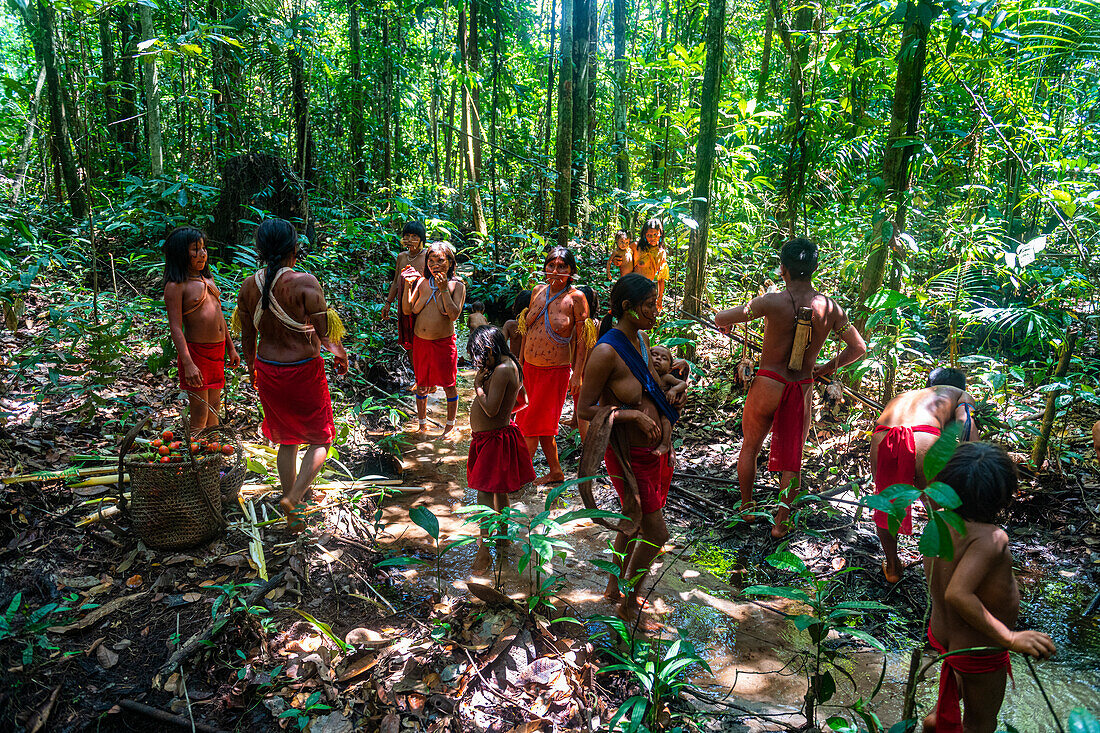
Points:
(553, 328)
(410, 264)
(909, 425)
(437, 302)
(781, 402)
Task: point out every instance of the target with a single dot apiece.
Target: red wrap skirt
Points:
(652, 472)
(405, 324)
(210, 359)
(788, 424)
(948, 712)
(546, 389)
(296, 402)
(897, 464)
(435, 362)
(498, 461)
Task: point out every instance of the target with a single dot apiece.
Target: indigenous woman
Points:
(618, 375)
(554, 352)
(286, 309)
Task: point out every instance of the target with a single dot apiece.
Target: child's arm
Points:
(395, 286)
(230, 347)
(173, 301)
(248, 330)
(580, 346)
(452, 296)
(980, 557)
(417, 297)
(492, 399)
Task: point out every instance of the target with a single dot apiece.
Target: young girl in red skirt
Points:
(499, 463)
(197, 324)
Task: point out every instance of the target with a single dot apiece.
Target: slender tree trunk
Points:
(303, 134)
(904, 122)
(473, 62)
(28, 138)
(582, 12)
(358, 113)
(108, 83)
(493, 136)
(798, 46)
(152, 97)
(622, 142)
(127, 89)
(563, 158)
(548, 119)
(766, 57)
(1039, 451)
(448, 138)
(467, 37)
(387, 102)
(590, 147)
(695, 280)
(59, 125)
(398, 156)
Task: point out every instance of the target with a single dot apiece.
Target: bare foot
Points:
(550, 479)
(483, 561)
(782, 526)
(294, 523)
(891, 571)
(746, 513)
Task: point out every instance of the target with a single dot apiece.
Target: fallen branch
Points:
(165, 717)
(193, 644)
(97, 613)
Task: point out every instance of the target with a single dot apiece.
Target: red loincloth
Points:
(210, 359)
(435, 362)
(296, 402)
(546, 390)
(788, 424)
(897, 464)
(652, 472)
(498, 461)
(948, 714)
(405, 324)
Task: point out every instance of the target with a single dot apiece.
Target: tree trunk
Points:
(226, 71)
(695, 279)
(904, 119)
(798, 46)
(358, 114)
(1039, 451)
(622, 142)
(108, 83)
(472, 50)
(127, 89)
(466, 38)
(590, 147)
(544, 201)
(387, 102)
(766, 60)
(582, 12)
(60, 143)
(563, 157)
(152, 97)
(303, 134)
(448, 138)
(398, 157)
(28, 139)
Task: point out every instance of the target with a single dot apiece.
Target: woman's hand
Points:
(440, 279)
(191, 374)
(642, 421)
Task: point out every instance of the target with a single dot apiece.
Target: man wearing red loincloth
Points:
(781, 402)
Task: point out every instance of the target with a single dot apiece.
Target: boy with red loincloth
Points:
(409, 266)
(197, 324)
(498, 464)
(553, 330)
(781, 401)
(286, 309)
(909, 425)
(436, 301)
(975, 600)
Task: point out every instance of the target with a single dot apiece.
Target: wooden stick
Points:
(101, 481)
(67, 473)
(164, 717)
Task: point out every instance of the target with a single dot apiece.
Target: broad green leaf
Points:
(422, 516)
(793, 594)
(786, 560)
(941, 451)
(864, 637)
(826, 687)
(943, 495)
(1082, 721)
(399, 562)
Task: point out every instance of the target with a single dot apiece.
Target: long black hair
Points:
(276, 239)
(488, 347)
(643, 243)
(567, 256)
(633, 288)
(177, 254)
(985, 479)
(593, 301)
(520, 303)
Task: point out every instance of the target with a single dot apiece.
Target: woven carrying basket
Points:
(173, 506)
(233, 469)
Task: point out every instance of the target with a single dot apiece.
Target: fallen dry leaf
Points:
(134, 581)
(106, 657)
(391, 723)
(192, 597)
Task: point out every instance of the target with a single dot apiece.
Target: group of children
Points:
(975, 601)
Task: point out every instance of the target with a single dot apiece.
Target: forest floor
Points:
(100, 632)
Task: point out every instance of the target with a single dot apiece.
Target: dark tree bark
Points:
(60, 143)
(303, 132)
(582, 14)
(548, 119)
(387, 102)
(225, 68)
(398, 156)
(695, 280)
(358, 114)
(152, 97)
(448, 138)
(563, 157)
(904, 123)
(260, 180)
(622, 143)
(128, 88)
(467, 39)
(798, 47)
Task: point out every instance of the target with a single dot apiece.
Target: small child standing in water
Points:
(975, 600)
(498, 463)
(197, 324)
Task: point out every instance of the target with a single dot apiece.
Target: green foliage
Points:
(28, 627)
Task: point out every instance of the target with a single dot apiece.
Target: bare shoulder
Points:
(988, 539)
(457, 285)
(537, 291)
(402, 260)
(173, 290)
